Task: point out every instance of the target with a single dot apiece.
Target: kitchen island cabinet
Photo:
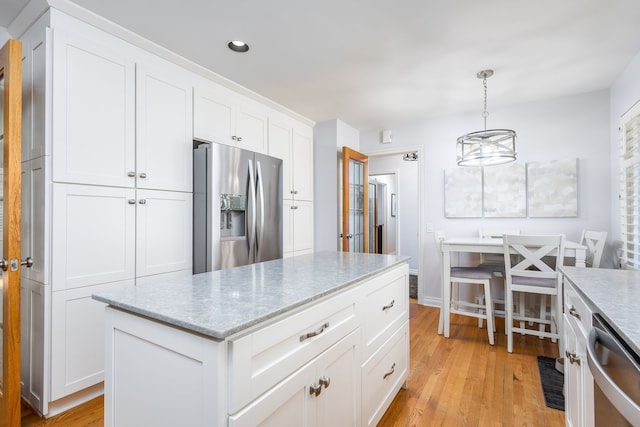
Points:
(588, 291)
(319, 339)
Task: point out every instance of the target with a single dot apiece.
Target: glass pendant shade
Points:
(487, 148)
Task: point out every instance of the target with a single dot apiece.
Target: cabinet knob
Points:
(573, 358)
(294, 207)
(294, 191)
(142, 201)
(325, 381)
(574, 312)
(142, 175)
(233, 137)
(315, 389)
(131, 174)
(132, 201)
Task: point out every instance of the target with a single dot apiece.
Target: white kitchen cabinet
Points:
(35, 210)
(108, 234)
(302, 155)
(223, 116)
(93, 117)
(93, 235)
(577, 376)
(164, 138)
(383, 374)
(297, 226)
(163, 232)
(293, 143)
(78, 340)
(324, 392)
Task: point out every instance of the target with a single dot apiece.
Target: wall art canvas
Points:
(505, 191)
(463, 193)
(552, 189)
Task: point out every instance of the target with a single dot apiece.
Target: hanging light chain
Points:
(485, 114)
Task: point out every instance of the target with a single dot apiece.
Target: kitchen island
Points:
(612, 294)
(315, 339)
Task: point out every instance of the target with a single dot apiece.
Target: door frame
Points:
(11, 72)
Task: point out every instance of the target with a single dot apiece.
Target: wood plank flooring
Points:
(459, 381)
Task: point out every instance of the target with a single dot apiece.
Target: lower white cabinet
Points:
(77, 340)
(324, 392)
(577, 376)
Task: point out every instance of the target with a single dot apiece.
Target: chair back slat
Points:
(532, 253)
(595, 242)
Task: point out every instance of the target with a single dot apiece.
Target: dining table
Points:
(457, 245)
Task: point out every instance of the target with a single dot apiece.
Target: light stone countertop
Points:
(614, 294)
(220, 303)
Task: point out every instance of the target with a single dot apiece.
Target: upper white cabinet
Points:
(226, 117)
(93, 134)
(293, 144)
(163, 129)
(116, 122)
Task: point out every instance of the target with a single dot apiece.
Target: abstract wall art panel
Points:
(552, 189)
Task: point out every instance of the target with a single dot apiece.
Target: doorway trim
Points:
(421, 223)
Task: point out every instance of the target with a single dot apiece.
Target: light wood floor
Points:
(459, 381)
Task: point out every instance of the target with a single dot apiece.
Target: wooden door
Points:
(10, 139)
(355, 196)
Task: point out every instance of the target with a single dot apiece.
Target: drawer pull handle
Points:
(574, 312)
(325, 381)
(391, 304)
(573, 358)
(314, 333)
(391, 371)
(315, 389)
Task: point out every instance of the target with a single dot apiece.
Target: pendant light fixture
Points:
(486, 147)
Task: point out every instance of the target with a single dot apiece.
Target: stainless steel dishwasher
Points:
(616, 377)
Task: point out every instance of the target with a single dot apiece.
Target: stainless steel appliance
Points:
(616, 377)
(237, 207)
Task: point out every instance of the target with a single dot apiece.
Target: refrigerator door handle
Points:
(260, 209)
(250, 217)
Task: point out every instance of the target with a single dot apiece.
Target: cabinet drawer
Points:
(383, 375)
(386, 307)
(263, 358)
(576, 308)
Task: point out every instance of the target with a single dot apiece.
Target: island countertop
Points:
(613, 294)
(220, 303)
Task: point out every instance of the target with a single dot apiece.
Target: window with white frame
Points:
(630, 188)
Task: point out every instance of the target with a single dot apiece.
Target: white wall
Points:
(570, 127)
(407, 190)
(4, 36)
(328, 139)
(625, 92)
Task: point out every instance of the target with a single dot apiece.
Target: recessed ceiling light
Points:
(238, 46)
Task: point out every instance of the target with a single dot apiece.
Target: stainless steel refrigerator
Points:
(237, 207)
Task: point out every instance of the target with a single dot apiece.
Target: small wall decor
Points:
(552, 189)
(463, 193)
(505, 191)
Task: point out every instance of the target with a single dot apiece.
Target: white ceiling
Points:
(380, 63)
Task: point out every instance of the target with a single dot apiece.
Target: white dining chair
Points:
(495, 262)
(531, 275)
(466, 276)
(594, 241)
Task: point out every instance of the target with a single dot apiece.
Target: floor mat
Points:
(552, 382)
